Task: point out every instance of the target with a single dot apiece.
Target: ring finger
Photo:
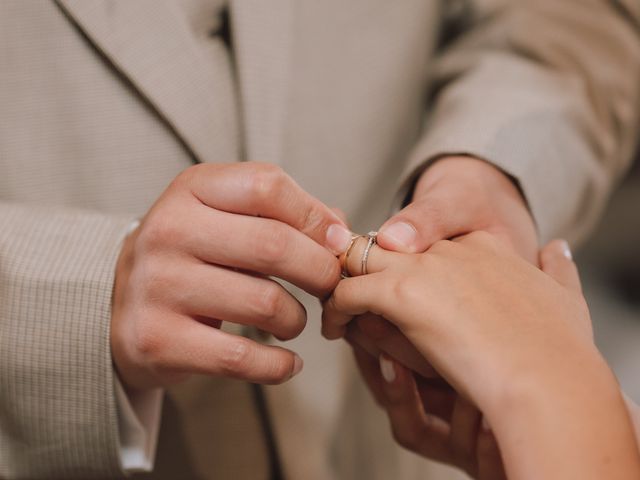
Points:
(219, 293)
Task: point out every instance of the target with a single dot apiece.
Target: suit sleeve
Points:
(547, 91)
(58, 415)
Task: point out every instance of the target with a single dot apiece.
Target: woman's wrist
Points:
(550, 380)
(575, 411)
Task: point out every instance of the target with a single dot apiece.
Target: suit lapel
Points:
(150, 44)
(263, 40)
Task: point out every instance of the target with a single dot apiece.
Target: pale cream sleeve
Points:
(546, 90)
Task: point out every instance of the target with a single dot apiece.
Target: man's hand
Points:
(429, 418)
(460, 195)
(203, 254)
(453, 197)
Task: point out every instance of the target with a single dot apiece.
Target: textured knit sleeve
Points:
(58, 414)
(546, 90)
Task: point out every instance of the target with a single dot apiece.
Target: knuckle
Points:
(403, 289)
(155, 278)
(272, 245)
(237, 357)
(270, 302)
(158, 232)
(273, 309)
(157, 284)
(266, 181)
(314, 219)
(150, 345)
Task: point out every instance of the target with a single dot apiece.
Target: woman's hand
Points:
(512, 339)
(478, 312)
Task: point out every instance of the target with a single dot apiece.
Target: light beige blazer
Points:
(103, 102)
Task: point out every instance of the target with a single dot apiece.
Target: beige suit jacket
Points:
(103, 102)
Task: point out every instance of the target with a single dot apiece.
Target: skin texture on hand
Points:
(454, 196)
(426, 415)
(459, 302)
(460, 195)
(203, 254)
(429, 418)
(513, 340)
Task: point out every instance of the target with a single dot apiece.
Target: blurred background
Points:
(610, 267)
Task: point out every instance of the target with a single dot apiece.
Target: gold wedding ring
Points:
(371, 241)
(345, 261)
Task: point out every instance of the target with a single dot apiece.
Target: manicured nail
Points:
(387, 370)
(402, 234)
(338, 238)
(297, 365)
(566, 250)
(485, 424)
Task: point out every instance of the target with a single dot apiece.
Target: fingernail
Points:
(485, 424)
(297, 365)
(338, 238)
(402, 234)
(566, 250)
(387, 370)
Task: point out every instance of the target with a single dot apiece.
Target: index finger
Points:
(265, 190)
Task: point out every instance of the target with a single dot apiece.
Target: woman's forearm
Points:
(634, 414)
(567, 423)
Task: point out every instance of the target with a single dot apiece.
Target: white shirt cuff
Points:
(139, 417)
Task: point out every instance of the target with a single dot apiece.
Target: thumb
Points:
(420, 224)
(556, 261)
